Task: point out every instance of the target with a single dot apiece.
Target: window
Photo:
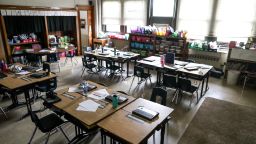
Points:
(235, 19)
(111, 15)
(163, 8)
(123, 12)
(194, 17)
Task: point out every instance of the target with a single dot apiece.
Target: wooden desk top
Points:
(12, 82)
(131, 130)
(65, 101)
(156, 63)
(89, 119)
(109, 53)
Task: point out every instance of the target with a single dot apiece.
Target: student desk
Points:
(88, 120)
(126, 130)
(194, 74)
(13, 84)
(108, 53)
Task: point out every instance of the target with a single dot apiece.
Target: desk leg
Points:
(162, 134)
(15, 102)
(207, 81)
(202, 89)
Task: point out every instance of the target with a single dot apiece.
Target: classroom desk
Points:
(12, 84)
(108, 53)
(88, 119)
(194, 74)
(126, 130)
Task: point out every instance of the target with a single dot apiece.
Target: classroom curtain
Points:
(24, 24)
(61, 23)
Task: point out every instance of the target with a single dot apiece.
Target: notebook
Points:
(38, 75)
(145, 113)
(121, 99)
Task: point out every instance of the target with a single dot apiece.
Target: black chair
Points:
(157, 91)
(186, 86)
(70, 54)
(53, 58)
(46, 124)
(32, 59)
(88, 64)
(141, 75)
(1, 109)
(171, 81)
(248, 74)
(47, 86)
(110, 66)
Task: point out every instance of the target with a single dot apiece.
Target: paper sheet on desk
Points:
(23, 73)
(88, 105)
(99, 94)
(74, 89)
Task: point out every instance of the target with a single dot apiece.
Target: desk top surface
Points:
(179, 66)
(65, 101)
(109, 53)
(89, 119)
(13, 81)
(130, 130)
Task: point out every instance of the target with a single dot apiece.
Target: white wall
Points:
(46, 3)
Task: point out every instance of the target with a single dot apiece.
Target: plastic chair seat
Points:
(49, 122)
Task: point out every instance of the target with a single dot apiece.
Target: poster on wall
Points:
(83, 23)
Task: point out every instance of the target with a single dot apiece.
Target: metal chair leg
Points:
(131, 85)
(64, 134)
(32, 135)
(48, 136)
(83, 69)
(245, 79)
(3, 112)
(59, 66)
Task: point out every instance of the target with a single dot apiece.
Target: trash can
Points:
(232, 77)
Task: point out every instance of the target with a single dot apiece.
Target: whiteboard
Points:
(242, 54)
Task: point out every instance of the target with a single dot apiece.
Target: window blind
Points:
(111, 12)
(235, 19)
(194, 16)
(135, 12)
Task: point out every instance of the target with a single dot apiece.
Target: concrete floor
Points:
(15, 131)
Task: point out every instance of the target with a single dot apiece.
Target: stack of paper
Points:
(88, 105)
(99, 94)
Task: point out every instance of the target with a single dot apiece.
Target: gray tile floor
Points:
(13, 131)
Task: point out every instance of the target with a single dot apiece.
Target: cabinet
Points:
(148, 44)
(174, 45)
(144, 44)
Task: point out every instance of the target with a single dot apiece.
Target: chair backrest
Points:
(157, 91)
(52, 84)
(138, 71)
(46, 67)
(184, 84)
(53, 57)
(251, 67)
(89, 57)
(170, 81)
(109, 63)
